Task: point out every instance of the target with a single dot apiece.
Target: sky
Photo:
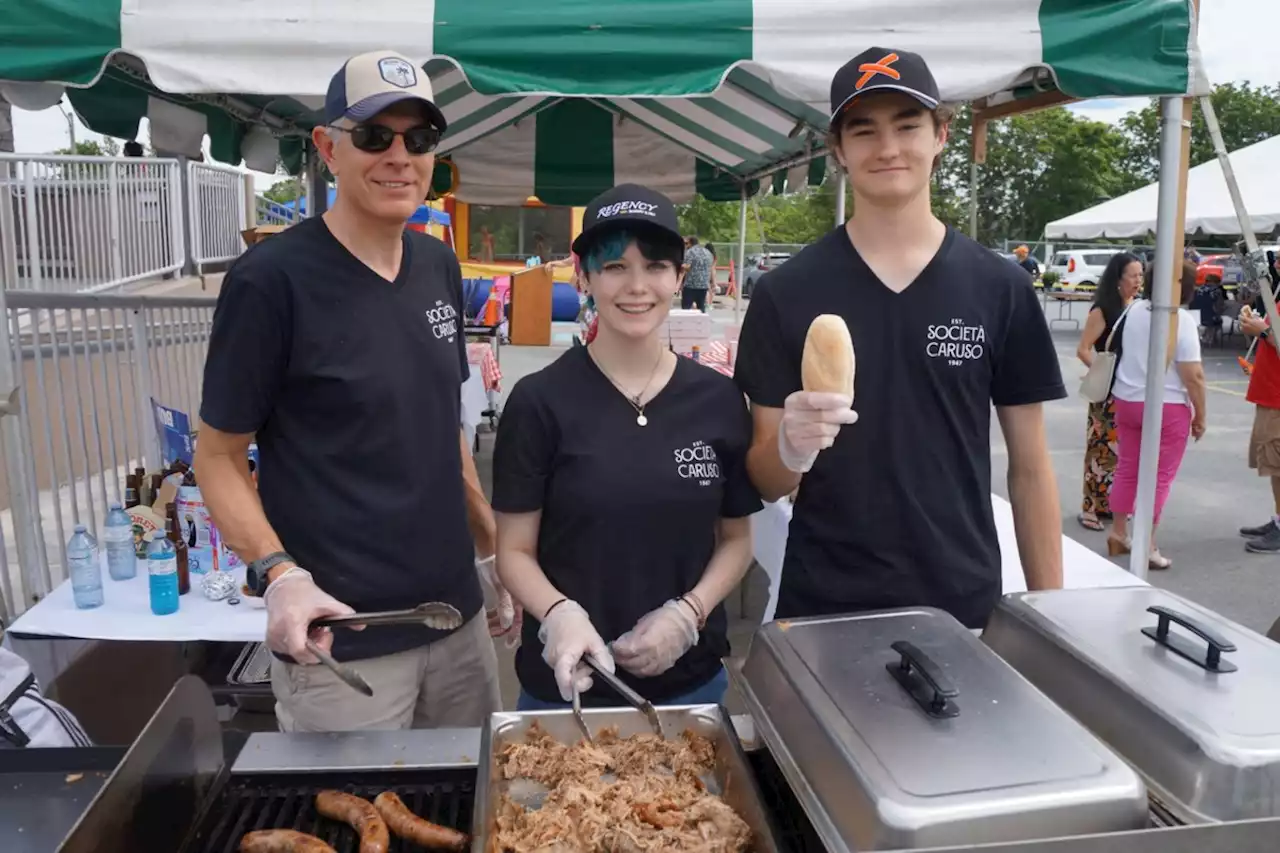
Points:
(1228, 57)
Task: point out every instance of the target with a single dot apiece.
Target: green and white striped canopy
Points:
(562, 99)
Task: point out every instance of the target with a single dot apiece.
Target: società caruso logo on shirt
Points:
(955, 341)
(444, 320)
(698, 462)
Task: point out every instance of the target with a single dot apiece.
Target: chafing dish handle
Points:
(1217, 644)
(933, 696)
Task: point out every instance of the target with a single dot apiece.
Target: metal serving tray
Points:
(1196, 711)
(955, 749)
(732, 779)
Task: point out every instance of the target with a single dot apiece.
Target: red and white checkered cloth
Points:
(716, 356)
(481, 355)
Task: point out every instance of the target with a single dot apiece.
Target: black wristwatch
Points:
(256, 573)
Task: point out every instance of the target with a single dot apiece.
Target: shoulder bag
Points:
(1097, 383)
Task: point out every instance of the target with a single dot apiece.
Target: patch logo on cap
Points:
(397, 72)
(871, 69)
(642, 208)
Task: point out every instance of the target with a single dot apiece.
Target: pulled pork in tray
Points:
(652, 799)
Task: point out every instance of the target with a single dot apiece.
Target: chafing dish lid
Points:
(956, 721)
(1218, 680)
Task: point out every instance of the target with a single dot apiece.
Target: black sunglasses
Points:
(376, 138)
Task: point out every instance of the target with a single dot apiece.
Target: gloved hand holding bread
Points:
(812, 418)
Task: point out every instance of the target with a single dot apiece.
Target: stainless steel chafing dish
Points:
(1191, 699)
(732, 778)
(899, 729)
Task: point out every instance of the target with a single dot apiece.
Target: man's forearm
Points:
(236, 509)
(772, 479)
(484, 530)
(1037, 524)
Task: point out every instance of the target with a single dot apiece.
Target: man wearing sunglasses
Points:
(339, 344)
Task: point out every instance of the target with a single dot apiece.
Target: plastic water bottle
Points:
(162, 569)
(117, 538)
(83, 567)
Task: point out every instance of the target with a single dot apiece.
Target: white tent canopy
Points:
(1209, 208)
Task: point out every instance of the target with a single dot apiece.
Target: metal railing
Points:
(273, 213)
(83, 224)
(78, 373)
(217, 214)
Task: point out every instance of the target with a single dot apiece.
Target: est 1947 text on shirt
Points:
(351, 383)
(898, 512)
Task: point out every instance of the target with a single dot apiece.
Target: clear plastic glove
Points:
(505, 617)
(811, 420)
(293, 603)
(567, 634)
(657, 641)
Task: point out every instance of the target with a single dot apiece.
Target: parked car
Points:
(758, 265)
(1225, 269)
(1080, 269)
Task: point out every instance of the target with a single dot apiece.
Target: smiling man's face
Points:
(387, 185)
(888, 143)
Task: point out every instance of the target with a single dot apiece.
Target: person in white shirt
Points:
(1184, 407)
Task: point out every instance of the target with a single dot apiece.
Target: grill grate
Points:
(287, 801)
(795, 834)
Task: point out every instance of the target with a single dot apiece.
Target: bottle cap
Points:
(80, 528)
(115, 507)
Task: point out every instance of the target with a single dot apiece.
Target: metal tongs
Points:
(634, 699)
(433, 614)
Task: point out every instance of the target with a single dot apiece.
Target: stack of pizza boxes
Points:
(686, 330)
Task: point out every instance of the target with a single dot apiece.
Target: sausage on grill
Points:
(282, 841)
(360, 814)
(409, 826)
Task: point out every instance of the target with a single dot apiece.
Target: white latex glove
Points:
(657, 641)
(567, 634)
(293, 603)
(505, 617)
(811, 420)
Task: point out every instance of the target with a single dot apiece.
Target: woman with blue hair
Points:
(620, 484)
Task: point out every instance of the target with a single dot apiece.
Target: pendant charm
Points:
(642, 420)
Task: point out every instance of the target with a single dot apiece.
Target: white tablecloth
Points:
(474, 402)
(126, 615)
(1080, 566)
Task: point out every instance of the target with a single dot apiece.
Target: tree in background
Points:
(1248, 114)
(1040, 167)
(107, 147)
(283, 192)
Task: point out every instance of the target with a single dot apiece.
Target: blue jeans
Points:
(711, 693)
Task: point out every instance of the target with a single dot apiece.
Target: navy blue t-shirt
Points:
(351, 383)
(898, 512)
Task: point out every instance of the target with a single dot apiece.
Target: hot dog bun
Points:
(828, 362)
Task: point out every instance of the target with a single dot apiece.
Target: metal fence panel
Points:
(217, 214)
(84, 369)
(84, 224)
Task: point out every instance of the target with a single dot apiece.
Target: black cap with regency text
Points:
(628, 204)
(880, 69)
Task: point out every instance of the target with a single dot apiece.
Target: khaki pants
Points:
(452, 683)
(1264, 442)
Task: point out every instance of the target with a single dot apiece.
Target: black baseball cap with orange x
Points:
(880, 69)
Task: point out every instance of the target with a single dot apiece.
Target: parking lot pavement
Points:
(1214, 495)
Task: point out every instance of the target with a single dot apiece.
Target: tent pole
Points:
(742, 259)
(1175, 144)
(841, 190)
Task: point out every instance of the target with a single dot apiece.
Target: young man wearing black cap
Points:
(620, 484)
(895, 505)
(338, 343)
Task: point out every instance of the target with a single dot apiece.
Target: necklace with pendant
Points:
(633, 399)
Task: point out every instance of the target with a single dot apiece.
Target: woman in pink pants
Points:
(1183, 401)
